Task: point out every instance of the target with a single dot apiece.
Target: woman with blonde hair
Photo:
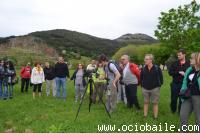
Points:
(37, 78)
(190, 93)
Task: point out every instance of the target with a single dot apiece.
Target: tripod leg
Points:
(91, 92)
(105, 108)
(101, 99)
(81, 102)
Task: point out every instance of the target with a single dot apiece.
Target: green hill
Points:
(137, 52)
(70, 44)
(72, 41)
(136, 39)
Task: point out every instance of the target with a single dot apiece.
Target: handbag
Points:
(15, 80)
(185, 94)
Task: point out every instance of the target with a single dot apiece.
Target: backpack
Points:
(135, 70)
(115, 64)
(158, 75)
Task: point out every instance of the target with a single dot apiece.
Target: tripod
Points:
(90, 84)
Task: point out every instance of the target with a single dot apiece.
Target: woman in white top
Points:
(37, 78)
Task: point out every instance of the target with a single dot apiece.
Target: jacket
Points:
(25, 72)
(151, 79)
(74, 76)
(99, 76)
(185, 81)
(175, 68)
(49, 73)
(9, 75)
(37, 77)
(2, 72)
(61, 70)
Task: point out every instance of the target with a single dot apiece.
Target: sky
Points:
(102, 18)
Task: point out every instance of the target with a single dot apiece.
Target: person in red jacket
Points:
(25, 77)
(131, 79)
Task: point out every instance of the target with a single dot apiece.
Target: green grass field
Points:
(47, 114)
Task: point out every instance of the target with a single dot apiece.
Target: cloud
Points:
(102, 18)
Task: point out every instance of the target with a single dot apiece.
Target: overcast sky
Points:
(101, 18)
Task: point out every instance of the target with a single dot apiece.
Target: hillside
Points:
(136, 39)
(70, 44)
(26, 49)
(72, 41)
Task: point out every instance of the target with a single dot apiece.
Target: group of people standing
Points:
(54, 76)
(185, 87)
(124, 79)
(81, 76)
(119, 81)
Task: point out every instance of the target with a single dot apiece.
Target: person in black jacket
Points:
(151, 80)
(49, 78)
(177, 71)
(61, 74)
(79, 81)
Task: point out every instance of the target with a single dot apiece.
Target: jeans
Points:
(61, 83)
(175, 89)
(5, 90)
(1, 88)
(10, 90)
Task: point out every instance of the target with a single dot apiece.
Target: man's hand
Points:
(182, 73)
(114, 84)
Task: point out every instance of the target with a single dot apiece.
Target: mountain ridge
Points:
(81, 43)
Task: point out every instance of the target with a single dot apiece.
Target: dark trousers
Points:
(25, 83)
(37, 87)
(131, 94)
(175, 90)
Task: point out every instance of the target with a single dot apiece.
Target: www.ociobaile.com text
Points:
(147, 128)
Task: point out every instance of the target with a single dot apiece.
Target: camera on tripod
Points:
(91, 73)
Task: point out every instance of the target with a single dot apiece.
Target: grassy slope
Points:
(139, 50)
(49, 114)
(25, 55)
